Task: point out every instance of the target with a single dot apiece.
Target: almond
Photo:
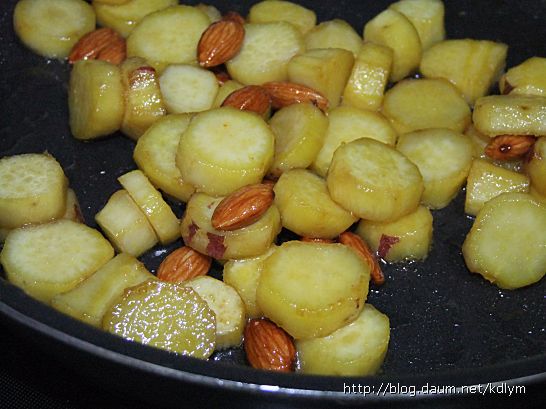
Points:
(220, 42)
(102, 44)
(243, 207)
(507, 147)
(250, 98)
(361, 248)
(182, 264)
(316, 240)
(233, 15)
(285, 93)
(269, 347)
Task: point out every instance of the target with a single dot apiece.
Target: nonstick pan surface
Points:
(448, 327)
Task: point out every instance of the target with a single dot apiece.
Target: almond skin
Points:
(284, 93)
(220, 42)
(507, 147)
(183, 264)
(250, 98)
(269, 347)
(102, 44)
(243, 207)
(361, 248)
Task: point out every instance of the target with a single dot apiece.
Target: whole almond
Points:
(361, 248)
(507, 147)
(243, 207)
(220, 42)
(182, 264)
(102, 44)
(250, 98)
(269, 347)
(284, 93)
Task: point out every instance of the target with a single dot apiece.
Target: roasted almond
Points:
(102, 44)
(361, 248)
(220, 42)
(243, 207)
(268, 346)
(182, 264)
(250, 98)
(507, 147)
(284, 93)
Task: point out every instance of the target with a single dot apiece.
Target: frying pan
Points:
(448, 327)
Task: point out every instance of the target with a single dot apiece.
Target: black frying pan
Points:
(449, 327)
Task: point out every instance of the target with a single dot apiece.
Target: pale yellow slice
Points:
(312, 289)
(89, 301)
(510, 115)
(473, 66)
(244, 275)
(143, 99)
(366, 85)
(250, 241)
(507, 242)
(278, 10)
(168, 36)
(186, 88)
(335, 33)
(486, 181)
(307, 208)
(164, 315)
(443, 157)
(125, 225)
(163, 220)
(95, 99)
(52, 258)
(155, 155)
(346, 124)
(52, 27)
(427, 16)
(394, 30)
(374, 181)
(527, 78)
(33, 189)
(357, 349)
(212, 12)
(267, 48)
(227, 306)
(125, 16)
(407, 238)
(299, 133)
(324, 70)
(415, 104)
(224, 149)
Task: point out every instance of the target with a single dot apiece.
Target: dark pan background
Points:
(448, 326)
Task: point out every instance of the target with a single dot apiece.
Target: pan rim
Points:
(67, 331)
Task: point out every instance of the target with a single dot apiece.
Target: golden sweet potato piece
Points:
(507, 241)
